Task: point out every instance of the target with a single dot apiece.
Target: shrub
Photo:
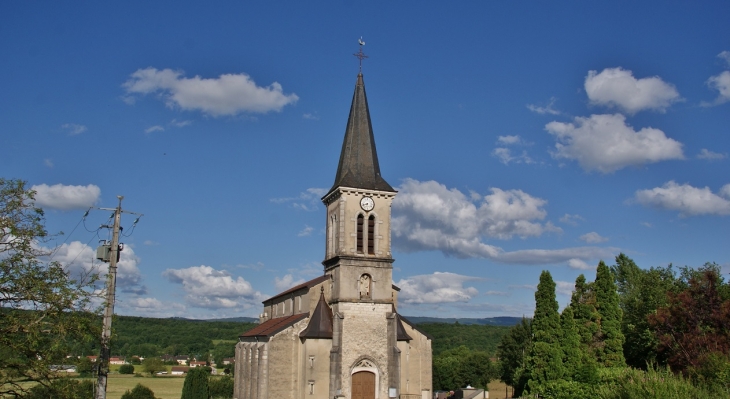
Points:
(62, 388)
(126, 369)
(139, 392)
(221, 388)
(196, 384)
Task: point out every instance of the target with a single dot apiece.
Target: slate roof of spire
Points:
(320, 323)
(358, 167)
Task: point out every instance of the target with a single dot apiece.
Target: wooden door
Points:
(363, 385)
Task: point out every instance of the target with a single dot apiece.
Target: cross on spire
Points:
(360, 55)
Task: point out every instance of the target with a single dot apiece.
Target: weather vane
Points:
(360, 55)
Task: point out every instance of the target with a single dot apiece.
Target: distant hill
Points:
(506, 321)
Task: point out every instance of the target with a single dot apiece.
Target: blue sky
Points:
(521, 136)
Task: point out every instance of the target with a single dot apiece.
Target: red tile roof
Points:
(273, 326)
(308, 284)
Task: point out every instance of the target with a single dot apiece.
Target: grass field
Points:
(163, 387)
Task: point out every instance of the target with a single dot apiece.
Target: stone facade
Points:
(340, 335)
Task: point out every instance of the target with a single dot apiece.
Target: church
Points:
(340, 335)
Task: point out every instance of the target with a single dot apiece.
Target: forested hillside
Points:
(475, 337)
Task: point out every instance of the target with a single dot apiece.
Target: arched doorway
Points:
(363, 385)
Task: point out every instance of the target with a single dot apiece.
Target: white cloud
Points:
(177, 123)
(571, 219)
(710, 156)
(617, 87)
(151, 243)
(721, 83)
(509, 140)
(208, 288)
(688, 200)
(80, 258)
(306, 232)
(505, 156)
(63, 197)
(306, 201)
(647, 224)
(593, 238)
(606, 143)
(229, 94)
(48, 162)
(310, 116)
(152, 307)
(725, 55)
(436, 288)
(580, 265)
(428, 216)
(74, 129)
(286, 282)
(564, 287)
(496, 293)
(544, 110)
(156, 128)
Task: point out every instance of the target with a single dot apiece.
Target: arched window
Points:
(371, 235)
(360, 226)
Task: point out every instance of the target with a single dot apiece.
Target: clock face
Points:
(367, 204)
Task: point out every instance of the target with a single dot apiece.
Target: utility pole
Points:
(103, 360)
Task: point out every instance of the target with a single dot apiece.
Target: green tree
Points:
(512, 351)
(84, 366)
(139, 392)
(641, 293)
(44, 310)
(62, 388)
(126, 369)
(583, 303)
(152, 365)
(611, 352)
(196, 384)
(573, 351)
(545, 362)
(221, 388)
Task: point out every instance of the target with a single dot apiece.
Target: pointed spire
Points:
(320, 323)
(358, 167)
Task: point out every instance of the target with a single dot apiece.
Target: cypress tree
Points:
(573, 352)
(611, 353)
(583, 303)
(196, 384)
(545, 362)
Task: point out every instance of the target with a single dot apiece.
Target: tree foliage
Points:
(610, 349)
(196, 384)
(221, 387)
(139, 392)
(545, 361)
(43, 308)
(459, 367)
(512, 351)
(695, 323)
(126, 369)
(153, 365)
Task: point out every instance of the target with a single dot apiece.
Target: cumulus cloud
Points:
(548, 109)
(59, 196)
(80, 259)
(48, 162)
(429, 216)
(310, 116)
(73, 129)
(710, 156)
(688, 200)
(286, 282)
(721, 83)
(156, 128)
(306, 231)
(617, 87)
(178, 123)
(580, 265)
(306, 201)
(725, 55)
(593, 238)
(506, 156)
(208, 288)
(229, 94)
(436, 288)
(509, 140)
(564, 287)
(571, 219)
(606, 143)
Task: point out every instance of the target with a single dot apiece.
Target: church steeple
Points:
(358, 166)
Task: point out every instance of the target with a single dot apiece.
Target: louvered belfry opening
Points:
(371, 235)
(360, 225)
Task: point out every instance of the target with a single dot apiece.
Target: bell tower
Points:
(358, 214)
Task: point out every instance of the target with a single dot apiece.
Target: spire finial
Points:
(360, 55)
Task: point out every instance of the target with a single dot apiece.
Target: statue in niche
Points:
(365, 281)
